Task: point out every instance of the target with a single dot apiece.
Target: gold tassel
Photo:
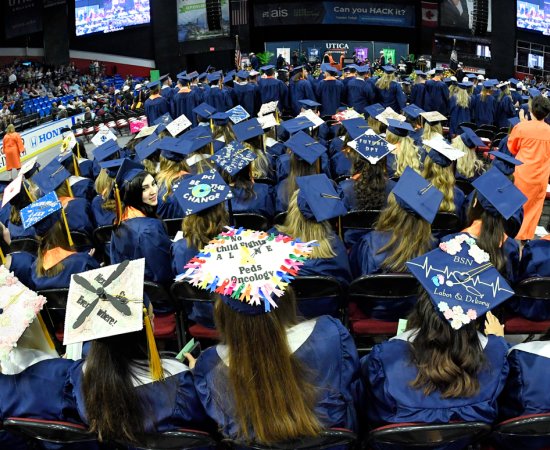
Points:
(340, 231)
(45, 331)
(31, 198)
(118, 204)
(155, 364)
(64, 217)
(212, 126)
(69, 188)
(76, 168)
(2, 257)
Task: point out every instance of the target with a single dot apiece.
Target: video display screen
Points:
(534, 15)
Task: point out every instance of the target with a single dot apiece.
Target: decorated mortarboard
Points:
(355, 127)
(460, 280)
(268, 108)
(465, 84)
(19, 307)
(442, 153)
(505, 163)
(533, 92)
(254, 73)
(12, 189)
(399, 127)
(105, 302)
(198, 192)
(268, 121)
(267, 68)
(204, 110)
(233, 158)
(503, 84)
(249, 269)
(305, 147)
(37, 213)
(111, 166)
(51, 176)
(389, 113)
(153, 84)
(513, 121)
(497, 194)
(413, 111)
(297, 124)
(318, 199)
(388, 69)
(237, 114)
(374, 110)
(178, 125)
(243, 74)
(312, 116)
(148, 146)
(417, 196)
(127, 172)
(106, 150)
(247, 130)
(433, 117)
(146, 131)
(308, 104)
(29, 167)
(165, 119)
(371, 146)
(103, 135)
(346, 114)
(470, 138)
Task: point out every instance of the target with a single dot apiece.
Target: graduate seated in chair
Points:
(103, 204)
(469, 167)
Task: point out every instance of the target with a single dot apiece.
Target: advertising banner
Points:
(334, 13)
(22, 17)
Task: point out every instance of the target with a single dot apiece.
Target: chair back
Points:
(489, 127)
(102, 240)
(485, 133)
(360, 219)
(29, 245)
(279, 219)
(251, 221)
(427, 436)
(172, 226)
(49, 430)
(446, 223)
(266, 180)
(319, 295)
(327, 439)
(535, 288)
(82, 241)
(172, 440)
(54, 311)
(470, 125)
(527, 432)
(386, 286)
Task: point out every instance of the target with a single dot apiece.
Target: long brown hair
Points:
(200, 228)
(55, 237)
(169, 172)
(395, 220)
(448, 361)
(273, 398)
(298, 168)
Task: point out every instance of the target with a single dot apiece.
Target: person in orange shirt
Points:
(12, 148)
(530, 143)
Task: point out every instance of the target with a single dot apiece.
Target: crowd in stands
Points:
(452, 172)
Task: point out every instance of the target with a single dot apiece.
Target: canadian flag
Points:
(430, 14)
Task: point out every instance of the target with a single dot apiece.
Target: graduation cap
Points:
(30, 167)
(433, 117)
(371, 146)
(497, 194)
(204, 110)
(148, 146)
(442, 153)
(66, 159)
(220, 118)
(388, 69)
(472, 76)
(389, 113)
(268, 121)
(417, 196)
(534, 92)
(183, 73)
(267, 67)
(470, 138)
(228, 78)
(318, 199)
(505, 163)
(355, 127)
(193, 74)
(213, 77)
(237, 114)
(254, 73)
(438, 70)
(274, 261)
(363, 69)
(19, 307)
(374, 110)
(165, 119)
(488, 84)
(111, 166)
(146, 131)
(460, 280)
(465, 85)
(12, 189)
(164, 77)
(330, 69)
(152, 84)
(243, 74)
(296, 69)
(106, 150)
(309, 104)
(233, 158)
(297, 124)
(127, 172)
(413, 111)
(51, 176)
(172, 149)
(268, 107)
(198, 192)
(420, 73)
(399, 128)
(247, 130)
(305, 147)
(503, 84)
(185, 78)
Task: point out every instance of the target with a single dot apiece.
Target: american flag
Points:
(238, 56)
(239, 12)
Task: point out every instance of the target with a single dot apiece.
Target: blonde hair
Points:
(10, 128)
(169, 172)
(377, 126)
(395, 220)
(462, 98)
(296, 225)
(468, 165)
(259, 168)
(406, 154)
(103, 186)
(200, 228)
(150, 166)
(431, 131)
(384, 82)
(443, 179)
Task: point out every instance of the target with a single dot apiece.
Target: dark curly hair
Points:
(370, 187)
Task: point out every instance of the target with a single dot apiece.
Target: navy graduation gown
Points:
(392, 97)
(504, 110)
(458, 115)
(101, 217)
(526, 390)
(82, 187)
(301, 90)
(330, 94)
(144, 237)
(154, 108)
(167, 93)
(21, 266)
(168, 404)
(359, 94)
(79, 216)
(261, 201)
(272, 89)
(327, 352)
(248, 96)
(418, 94)
(5, 214)
(19, 232)
(388, 374)
(86, 168)
(185, 102)
(484, 111)
(169, 208)
(75, 263)
(220, 99)
(340, 165)
(437, 97)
